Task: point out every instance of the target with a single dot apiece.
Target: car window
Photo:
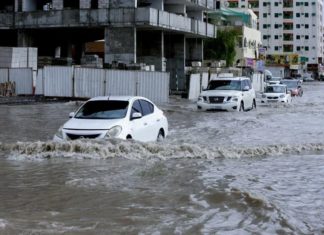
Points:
(275, 89)
(245, 84)
(103, 109)
(248, 82)
(224, 85)
(147, 107)
(136, 108)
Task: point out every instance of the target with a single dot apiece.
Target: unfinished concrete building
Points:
(165, 33)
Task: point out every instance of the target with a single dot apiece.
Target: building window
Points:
(306, 4)
(297, 15)
(71, 4)
(306, 26)
(306, 15)
(298, 26)
(276, 48)
(94, 4)
(297, 37)
(265, 15)
(306, 48)
(298, 48)
(276, 36)
(306, 37)
(288, 48)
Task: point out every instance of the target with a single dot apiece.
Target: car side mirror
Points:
(71, 115)
(246, 88)
(136, 115)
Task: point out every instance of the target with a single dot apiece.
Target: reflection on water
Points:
(259, 172)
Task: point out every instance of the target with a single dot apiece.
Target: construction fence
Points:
(77, 82)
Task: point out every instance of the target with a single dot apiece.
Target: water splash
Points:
(135, 150)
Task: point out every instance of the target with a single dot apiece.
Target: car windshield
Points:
(275, 89)
(103, 109)
(224, 85)
(290, 84)
(275, 79)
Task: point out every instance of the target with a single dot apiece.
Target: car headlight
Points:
(114, 131)
(59, 132)
(202, 98)
(282, 96)
(235, 99)
(264, 96)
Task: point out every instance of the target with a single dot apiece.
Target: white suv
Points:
(230, 93)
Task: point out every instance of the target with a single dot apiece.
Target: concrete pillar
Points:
(57, 4)
(175, 53)
(122, 3)
(150, 49)
(25, 39)
(194, 49)
(120, 45)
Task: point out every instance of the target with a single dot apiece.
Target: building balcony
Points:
(6, 20)
(119, 17)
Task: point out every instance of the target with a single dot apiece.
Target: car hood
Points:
(221, 93)
(91, 124)
(274, 94)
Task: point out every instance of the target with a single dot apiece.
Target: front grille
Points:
(275, 98)
(74, 137)
(216, 99)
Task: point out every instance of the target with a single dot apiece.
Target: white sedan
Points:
(276, 94)
(124, 117)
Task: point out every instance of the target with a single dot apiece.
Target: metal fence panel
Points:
(39, 89)
(153, 85)
(194, 87)
(120, 82)
(58, 81)
(89, 82)
(23, 77)
(4, 75)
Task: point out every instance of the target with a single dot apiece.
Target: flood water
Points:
(257, 172)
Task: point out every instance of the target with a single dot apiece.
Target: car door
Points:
(138, 126)
(247, 94)
(150, 118)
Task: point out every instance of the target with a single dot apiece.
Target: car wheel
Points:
(160, 136)
(301, 93)
(241, 109)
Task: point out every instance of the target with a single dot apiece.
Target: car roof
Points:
(230, 78)
(120, 98)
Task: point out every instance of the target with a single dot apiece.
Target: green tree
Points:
(222, 47)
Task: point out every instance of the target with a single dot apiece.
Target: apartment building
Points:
(244, 22)
(289, 28)
(167, 34)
